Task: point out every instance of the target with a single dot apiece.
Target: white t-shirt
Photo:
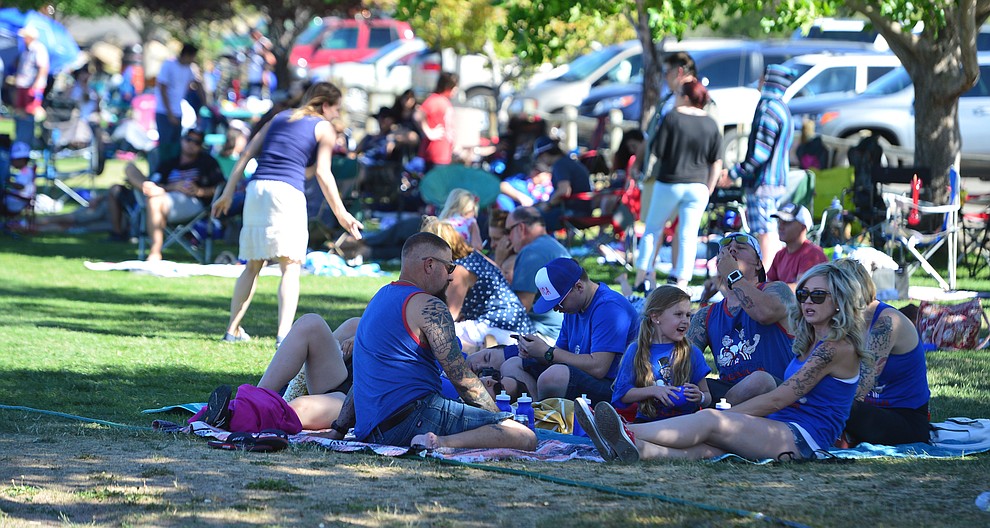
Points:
(175, 77)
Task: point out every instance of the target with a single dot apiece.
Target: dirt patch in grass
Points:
(87, 475)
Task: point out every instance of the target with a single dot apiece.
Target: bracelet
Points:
(702, 399)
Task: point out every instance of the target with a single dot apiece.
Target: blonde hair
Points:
(846, 322)
(459, 248)
(459, 202)
(865, 282)
(662, 299)
(315, 97)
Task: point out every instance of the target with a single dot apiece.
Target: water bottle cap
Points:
(502, 396)
(524, 398)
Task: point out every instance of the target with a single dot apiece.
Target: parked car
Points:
(373, 81)
(858, 30)
(331, 40)
(886, 108)
(618, 63)
(824, 73)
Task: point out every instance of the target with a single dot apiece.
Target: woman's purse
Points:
(952, 326)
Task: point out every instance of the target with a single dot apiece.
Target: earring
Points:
(836, 310)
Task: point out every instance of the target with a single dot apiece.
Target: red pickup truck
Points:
(331, 40)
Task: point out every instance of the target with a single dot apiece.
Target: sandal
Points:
(266, 441)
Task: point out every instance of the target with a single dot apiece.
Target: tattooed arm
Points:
(767, 306)
(697, 333)
(835, 358)
(430, 316)
(879, 344)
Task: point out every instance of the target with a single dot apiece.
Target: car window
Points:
(311, 33)
(583, 66)
(341, 38)
(624, 71)
(723, 72)
(830, 80)
(893, 82)
(380, 36)
(982, 88)
(875, 72)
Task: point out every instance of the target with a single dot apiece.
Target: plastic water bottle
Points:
(577, 430)
(836, 204)
(524, 406)
(502, 402)
(983, 501)
(723, 405)
(837, 252)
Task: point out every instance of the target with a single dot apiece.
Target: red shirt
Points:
(788, 267)
(437, 110)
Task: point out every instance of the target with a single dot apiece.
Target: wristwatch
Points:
(549, 354)
(733, 278)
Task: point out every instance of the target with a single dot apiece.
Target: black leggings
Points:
(888, 425)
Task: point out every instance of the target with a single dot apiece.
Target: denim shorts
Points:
(438, 415)
(804, 449)
(759, 209)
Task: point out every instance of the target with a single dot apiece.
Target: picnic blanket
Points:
(551, 447)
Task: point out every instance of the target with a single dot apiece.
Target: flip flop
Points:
(266, 441)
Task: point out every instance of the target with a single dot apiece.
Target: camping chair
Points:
(195, 235)
(906, 217)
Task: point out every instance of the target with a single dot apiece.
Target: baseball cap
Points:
(791, 212)
(738, 237)
(554, 281)
(20, 150)
(28, 31)
(543, 144)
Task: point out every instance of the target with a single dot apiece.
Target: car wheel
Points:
(735, 145)
(482, 98)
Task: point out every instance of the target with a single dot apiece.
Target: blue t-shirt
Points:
(391, 366)
(567, 169)
(660, 362)
(742, 346)
(609, 324)
(823, 412)
(289, 148)
(903, 383)
(534, 256)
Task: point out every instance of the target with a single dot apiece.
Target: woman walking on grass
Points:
(294, 145)
(794, 421)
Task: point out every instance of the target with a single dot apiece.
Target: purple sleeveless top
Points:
(289, 147)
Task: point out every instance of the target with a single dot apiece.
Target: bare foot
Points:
(428, 440)
(154, 257)
(623, 280)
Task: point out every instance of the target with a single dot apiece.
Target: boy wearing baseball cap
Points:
(599, 323)
(798, 254)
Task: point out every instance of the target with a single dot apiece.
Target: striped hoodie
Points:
(767, 155)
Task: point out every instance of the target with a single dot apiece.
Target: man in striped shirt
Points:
(764, 171)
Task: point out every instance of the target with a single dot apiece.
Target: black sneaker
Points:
(217, 408)
(614, 433)
(585, 417)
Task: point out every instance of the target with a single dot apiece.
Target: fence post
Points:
(615, 131)
(571, 127)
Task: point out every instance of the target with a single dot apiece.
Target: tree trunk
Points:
(936, 128)
(652, 76)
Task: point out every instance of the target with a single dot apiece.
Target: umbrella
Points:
(62, 48)
(442, 179)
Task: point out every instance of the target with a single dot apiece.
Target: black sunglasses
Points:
(194, 140)
(495, 375)
(447, 264)
(816, 296)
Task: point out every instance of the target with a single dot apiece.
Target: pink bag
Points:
(254, 409)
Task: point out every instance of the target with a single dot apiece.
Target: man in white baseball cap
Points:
(799, 254)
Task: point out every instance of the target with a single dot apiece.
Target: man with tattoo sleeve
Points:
(405, 338)
(748, 331)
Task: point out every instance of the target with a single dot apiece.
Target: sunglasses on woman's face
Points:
(739, 238)
(816, 296)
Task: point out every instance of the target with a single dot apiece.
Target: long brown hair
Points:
(317, 94)
(662, 299)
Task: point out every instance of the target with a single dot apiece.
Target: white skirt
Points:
(274, 222)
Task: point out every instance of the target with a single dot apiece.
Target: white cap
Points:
(791, 212)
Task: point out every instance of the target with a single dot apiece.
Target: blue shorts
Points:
(578, 383)
(759, 209)
(438, 415)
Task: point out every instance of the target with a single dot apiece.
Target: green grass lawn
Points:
(108, 344)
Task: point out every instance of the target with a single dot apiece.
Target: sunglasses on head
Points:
(816, 296)
(739, 238)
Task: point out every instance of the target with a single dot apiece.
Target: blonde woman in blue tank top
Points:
(802, 416)
(294, 145)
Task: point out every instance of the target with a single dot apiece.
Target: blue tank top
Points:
(391, 367)
(289, 147)
(904, 380)
(822, 413)
(741, 346)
